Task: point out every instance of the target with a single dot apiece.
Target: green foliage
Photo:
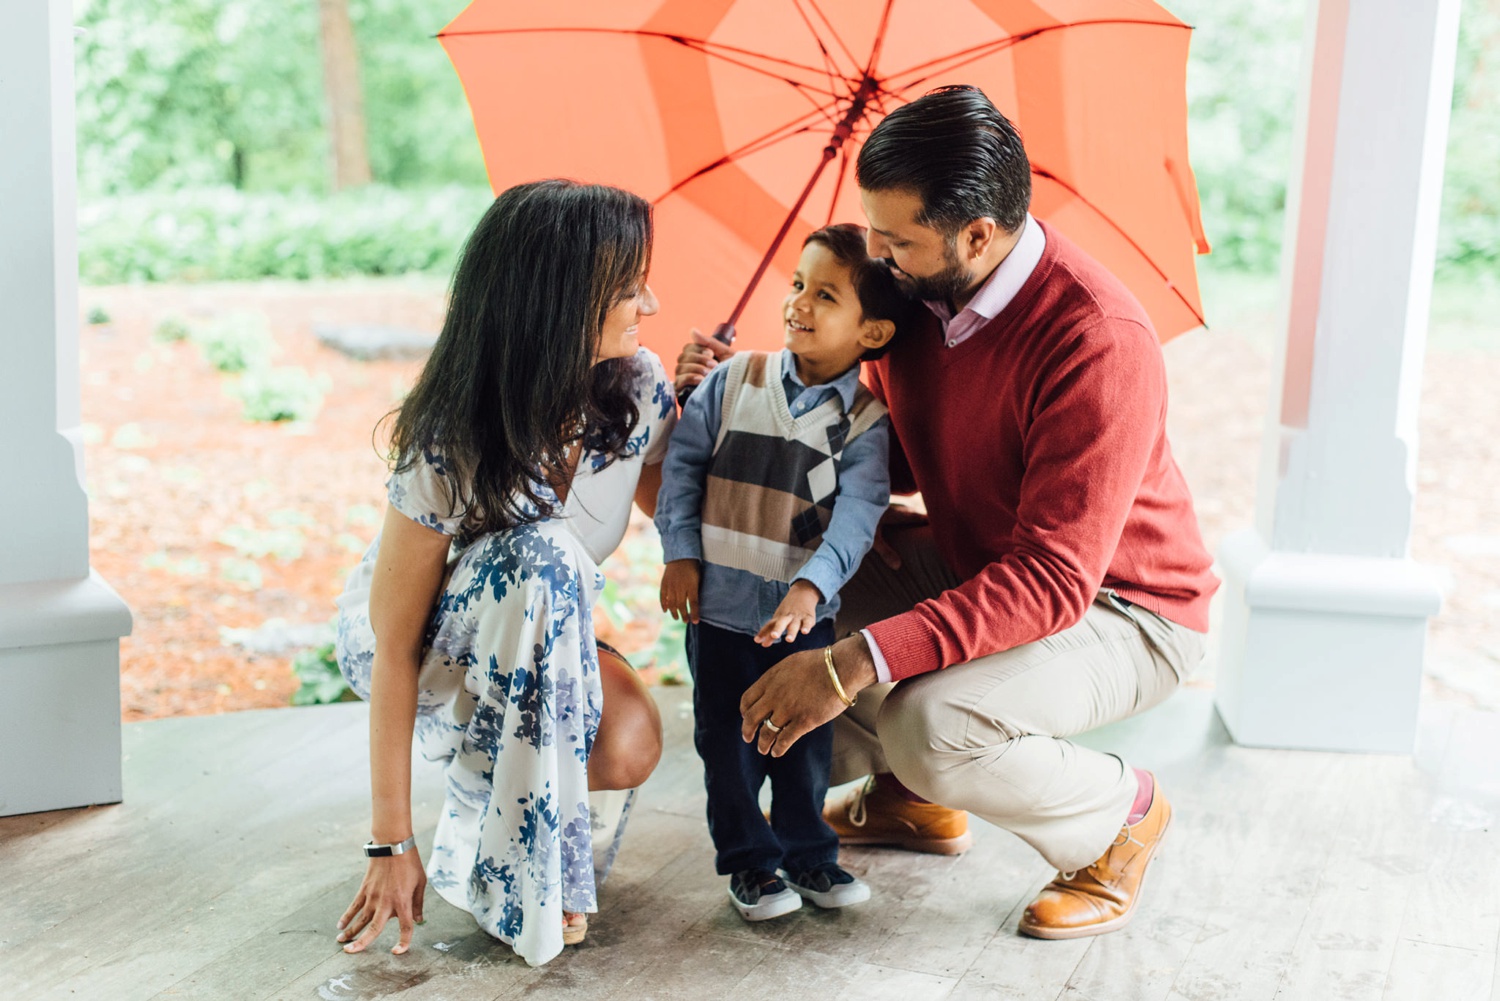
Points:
(318, 670)
(280, 394)
(236, 342)
(223, 234)
(1244, 75)
(283, 543)
(1470, 234)
(203, 122)
(171, 329)
(186, 93)
(97, 316)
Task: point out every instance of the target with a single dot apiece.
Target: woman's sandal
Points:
(574, 934)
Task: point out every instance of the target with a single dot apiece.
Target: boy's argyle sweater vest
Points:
(773, 477)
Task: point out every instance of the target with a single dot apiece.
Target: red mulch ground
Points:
(172, 466)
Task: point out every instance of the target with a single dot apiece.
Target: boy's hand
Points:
(796, 614)
(679, 589)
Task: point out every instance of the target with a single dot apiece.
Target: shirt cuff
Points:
(818, 576)
(882, 669)
(686, 544)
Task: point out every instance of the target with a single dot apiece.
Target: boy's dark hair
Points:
(879, 298)
(958, 153)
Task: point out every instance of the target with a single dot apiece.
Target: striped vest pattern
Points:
(773, 477)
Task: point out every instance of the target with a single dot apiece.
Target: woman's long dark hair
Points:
(511, 383)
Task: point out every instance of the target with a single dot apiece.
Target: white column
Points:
(60, 624)
(1326, 613)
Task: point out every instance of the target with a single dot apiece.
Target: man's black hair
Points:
(958, 153)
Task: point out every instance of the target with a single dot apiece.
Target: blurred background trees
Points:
(209, 137)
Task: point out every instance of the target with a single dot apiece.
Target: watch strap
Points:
(373, 850)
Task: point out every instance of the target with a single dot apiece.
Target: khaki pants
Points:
(989, 736)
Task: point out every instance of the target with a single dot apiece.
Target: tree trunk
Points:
(349, 160)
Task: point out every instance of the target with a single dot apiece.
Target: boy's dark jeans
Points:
(724, 664)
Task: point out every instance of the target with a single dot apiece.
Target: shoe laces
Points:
(857, 805)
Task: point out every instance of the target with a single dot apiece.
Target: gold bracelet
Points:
(833, 676)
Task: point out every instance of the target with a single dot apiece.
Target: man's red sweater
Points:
(1039, 445)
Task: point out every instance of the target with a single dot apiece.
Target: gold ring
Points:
(771, 726)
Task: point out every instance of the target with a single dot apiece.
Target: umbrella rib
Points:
(1045, 173)
(838, 185)
(829, 66)
(834, 32)
(885, 22)
(989, 48)
(702, 45)
(781, 133)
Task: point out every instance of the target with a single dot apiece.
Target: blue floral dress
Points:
(508, 690)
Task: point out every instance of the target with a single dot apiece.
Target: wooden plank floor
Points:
(1287, 875)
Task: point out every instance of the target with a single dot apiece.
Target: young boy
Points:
(771, 490)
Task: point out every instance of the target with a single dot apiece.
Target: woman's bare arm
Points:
(647, 488)
(408, 575)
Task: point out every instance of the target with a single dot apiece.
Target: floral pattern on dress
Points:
(509, 695)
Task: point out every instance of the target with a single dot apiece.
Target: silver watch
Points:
(383, 851)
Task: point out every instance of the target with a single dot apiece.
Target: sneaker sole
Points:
(1103, 927)
(931, 846)
(775, 906)
(845, 895)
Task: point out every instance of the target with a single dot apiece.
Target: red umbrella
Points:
(740, 120)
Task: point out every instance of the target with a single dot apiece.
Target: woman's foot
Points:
(575, 927)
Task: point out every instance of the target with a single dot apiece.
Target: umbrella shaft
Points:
(829, 152)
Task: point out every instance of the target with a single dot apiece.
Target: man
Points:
(1061, 582)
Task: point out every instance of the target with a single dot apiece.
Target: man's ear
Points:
(976, 237)
(876, 334)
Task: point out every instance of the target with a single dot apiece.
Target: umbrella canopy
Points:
(720, 111)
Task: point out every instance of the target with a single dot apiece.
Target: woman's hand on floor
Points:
(393, 887)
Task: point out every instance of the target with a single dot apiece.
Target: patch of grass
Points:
(283, 543)
(97, 316)
(236, 342)
(280, 394)
(241, 572)
(171, 329)
(318, 671)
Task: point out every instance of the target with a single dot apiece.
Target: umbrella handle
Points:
(724, 334)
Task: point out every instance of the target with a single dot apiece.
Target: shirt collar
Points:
(1005, 281)
(846, 385)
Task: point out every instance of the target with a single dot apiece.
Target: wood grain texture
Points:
(1285, 875)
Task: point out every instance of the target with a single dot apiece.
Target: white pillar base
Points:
(1321, 652)
(60, 715)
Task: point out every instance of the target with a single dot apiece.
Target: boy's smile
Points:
(825, 325)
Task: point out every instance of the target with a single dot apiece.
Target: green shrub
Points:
(202, 234)
(236, 342)
(171, 329)
(280, 394)
(322, 683)
(97, 316)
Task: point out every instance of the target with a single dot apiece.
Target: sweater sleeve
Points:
(679, 502)
(1095, 419)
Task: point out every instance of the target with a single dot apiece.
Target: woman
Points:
(535, 421)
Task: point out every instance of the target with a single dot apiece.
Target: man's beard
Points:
(944, 286)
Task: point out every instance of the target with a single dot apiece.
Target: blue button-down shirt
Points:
(738, 600)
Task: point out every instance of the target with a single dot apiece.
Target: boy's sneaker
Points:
(760, 895)
(829, 886)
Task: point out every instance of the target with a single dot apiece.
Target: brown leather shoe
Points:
(1102, 897)
(875, 814)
